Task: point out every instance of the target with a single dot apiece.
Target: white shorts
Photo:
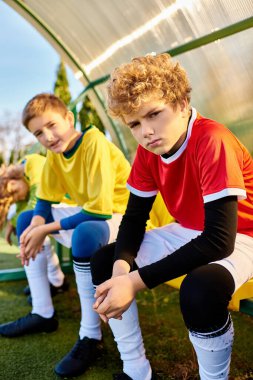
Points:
(61, 210)
(163, 241)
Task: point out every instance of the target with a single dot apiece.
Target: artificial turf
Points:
(166, 340)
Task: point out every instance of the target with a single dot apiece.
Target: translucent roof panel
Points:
(95, 36)
(103, 34)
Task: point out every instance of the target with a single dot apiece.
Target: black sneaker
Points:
(82, 355)
(30, 300)
(59, 289)
(26, 290)
(124, 376)
(54, 290)
(30, 324)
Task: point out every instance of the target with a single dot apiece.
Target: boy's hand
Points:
(32, 239)
(32, 243)
(120, 267)
(9, 230)
(36, 221)
(114, 296)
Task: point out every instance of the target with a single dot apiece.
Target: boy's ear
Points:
(71, 118)
(184, 106)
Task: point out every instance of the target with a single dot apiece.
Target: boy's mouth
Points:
(154, 143)
(54, 144)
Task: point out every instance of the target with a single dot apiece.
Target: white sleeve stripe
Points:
(143, 194)
(240, 193)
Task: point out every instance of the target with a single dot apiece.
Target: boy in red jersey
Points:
(205, 176)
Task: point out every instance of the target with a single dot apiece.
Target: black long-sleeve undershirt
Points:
(214, 243)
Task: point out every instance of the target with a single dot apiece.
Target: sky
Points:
(28, 64)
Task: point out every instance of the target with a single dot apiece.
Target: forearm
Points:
(51, 227)
(73, 221)
(215, 243)
(132, 228)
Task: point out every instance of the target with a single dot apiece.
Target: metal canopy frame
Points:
(22, 8)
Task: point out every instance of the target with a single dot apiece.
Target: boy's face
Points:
(158, 127)
(53, 131)
(18, 188)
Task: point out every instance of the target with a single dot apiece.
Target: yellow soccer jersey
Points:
(33, 168)
(94, 176)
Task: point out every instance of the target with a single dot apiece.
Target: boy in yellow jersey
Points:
(18, 186)
(93, 171)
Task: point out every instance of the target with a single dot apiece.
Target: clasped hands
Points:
(114, 296)
(31, 242)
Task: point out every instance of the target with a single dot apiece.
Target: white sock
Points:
(36, 273)
(127, 335)
(214, 352)
(90, 320)
(54, 272)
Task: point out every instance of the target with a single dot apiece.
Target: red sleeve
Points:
(220, 161)
(141, 181)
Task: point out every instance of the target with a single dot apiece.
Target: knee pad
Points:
(204, 297)
(87, 238)
(24, 220)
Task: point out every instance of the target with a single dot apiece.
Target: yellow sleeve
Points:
(100, 184)
(159, 215)
(33, 168)
(50, 187)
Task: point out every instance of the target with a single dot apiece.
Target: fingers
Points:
(104, 318)
(27, 253)
(99, 300)
(107, 310)
(101, 289)
(23, 237)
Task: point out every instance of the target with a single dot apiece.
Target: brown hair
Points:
(6, 199)
(144, 78)
(41, 103)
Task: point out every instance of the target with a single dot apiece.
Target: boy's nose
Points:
(49, 136)
(146, 130)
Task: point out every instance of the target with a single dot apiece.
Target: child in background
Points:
(205, 176)
(93, 171)
(18, 186)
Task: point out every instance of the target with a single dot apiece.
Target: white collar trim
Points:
(184, 145)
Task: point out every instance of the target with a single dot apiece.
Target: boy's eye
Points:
(133, 125)
(154, 114)
(37, 134)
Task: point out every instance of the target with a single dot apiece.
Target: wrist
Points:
(120, 267)
(52, 227)
(137, 281)
(37, 221)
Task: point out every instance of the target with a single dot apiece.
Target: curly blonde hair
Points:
(41, 103)
(6, 198)
(143, 79)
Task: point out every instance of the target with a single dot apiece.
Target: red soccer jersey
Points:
(211, 164)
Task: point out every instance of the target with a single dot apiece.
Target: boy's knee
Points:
(204, 297)
(102, 263)
(84, 241)
(88, 237)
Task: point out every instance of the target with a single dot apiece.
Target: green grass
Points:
(166, 339)
(8, 254)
